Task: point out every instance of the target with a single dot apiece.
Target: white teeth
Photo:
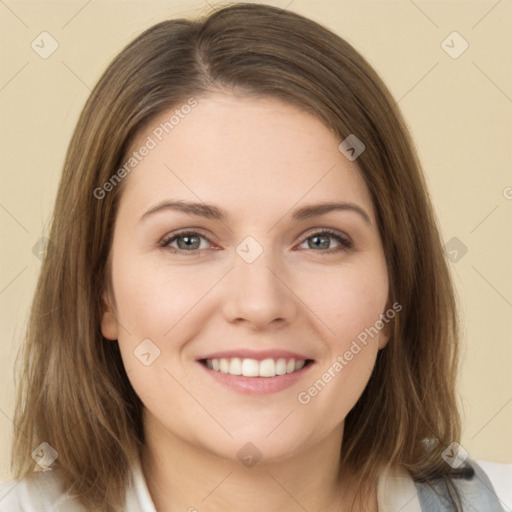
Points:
(267, 368)
(281, 366)
(253, 368)
(235, 367)
(250, 368)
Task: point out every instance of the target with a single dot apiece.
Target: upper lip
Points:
(259, 355)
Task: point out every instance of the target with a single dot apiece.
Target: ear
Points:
(385, 334)
(108, 320)
(389, 318)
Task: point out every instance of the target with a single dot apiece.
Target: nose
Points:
(257, 293)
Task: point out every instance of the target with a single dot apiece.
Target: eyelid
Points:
(330, 231)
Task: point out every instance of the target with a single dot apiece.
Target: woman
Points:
(245, 303)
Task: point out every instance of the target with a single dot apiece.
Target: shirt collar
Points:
(138, 498)
(395, 492)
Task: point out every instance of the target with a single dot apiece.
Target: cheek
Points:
(350, 307)
(349, 300)
(153, 298)
(160, 308)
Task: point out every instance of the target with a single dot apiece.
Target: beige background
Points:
(459, 110)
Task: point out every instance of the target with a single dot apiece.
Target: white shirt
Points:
(42, 492)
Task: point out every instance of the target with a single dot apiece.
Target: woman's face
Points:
(245, 279)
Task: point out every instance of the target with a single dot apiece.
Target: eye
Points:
(320, 240)
(187, 242)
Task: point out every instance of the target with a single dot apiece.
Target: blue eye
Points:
(190, 242)
(321, 240)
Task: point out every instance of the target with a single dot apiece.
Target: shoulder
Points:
(475, 489)
(40, 491)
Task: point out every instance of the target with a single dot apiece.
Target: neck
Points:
(185, 477)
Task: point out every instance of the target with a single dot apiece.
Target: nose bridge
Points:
(257, 292)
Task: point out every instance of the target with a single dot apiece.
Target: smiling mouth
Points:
(247, 367)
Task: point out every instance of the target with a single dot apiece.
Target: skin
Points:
(259, 160)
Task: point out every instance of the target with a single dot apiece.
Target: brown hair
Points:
(74, 392)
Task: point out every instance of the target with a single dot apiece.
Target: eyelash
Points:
(345, 243)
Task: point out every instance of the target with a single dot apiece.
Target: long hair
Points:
(73, 392)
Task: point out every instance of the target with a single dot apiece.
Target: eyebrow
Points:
(213, 212)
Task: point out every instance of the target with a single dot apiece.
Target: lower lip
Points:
(257, 385)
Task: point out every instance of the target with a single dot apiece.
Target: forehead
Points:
(247, 154)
